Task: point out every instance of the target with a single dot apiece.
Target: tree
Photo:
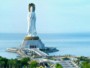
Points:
(58, 65)
(85, 65)
(33, 64)
(3, 62)
(12, 63)
(24, 61)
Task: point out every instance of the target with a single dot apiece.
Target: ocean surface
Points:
(77, 44)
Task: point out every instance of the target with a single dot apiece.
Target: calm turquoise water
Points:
(74, 44)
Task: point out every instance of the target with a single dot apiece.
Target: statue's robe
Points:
(32, 24)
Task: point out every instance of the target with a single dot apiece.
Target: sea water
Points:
(77, 44)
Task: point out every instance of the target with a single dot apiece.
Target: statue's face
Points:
(31, 9)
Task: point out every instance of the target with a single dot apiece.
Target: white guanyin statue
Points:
(31, 21)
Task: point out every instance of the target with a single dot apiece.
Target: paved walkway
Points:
(39, 52)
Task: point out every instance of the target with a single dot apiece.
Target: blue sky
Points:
(53, 16)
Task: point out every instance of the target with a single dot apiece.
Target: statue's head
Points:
(31, 7)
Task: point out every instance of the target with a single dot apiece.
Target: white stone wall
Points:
(38, 43)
